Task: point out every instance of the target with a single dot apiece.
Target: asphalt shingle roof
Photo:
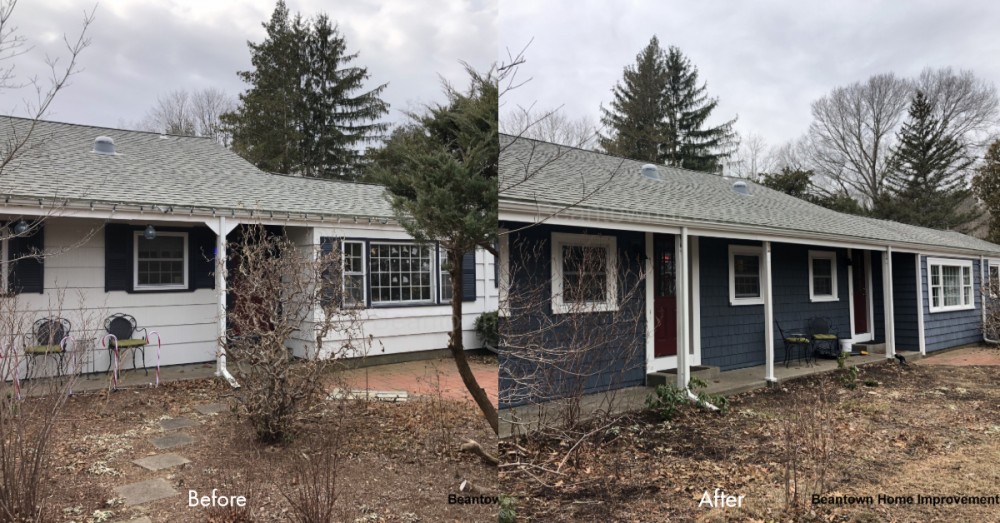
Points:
(546, 174)
(176, 171)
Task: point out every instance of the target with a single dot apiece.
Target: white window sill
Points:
(953, 308)
(583, 308)
(736, 302)
(820, 299)
(161, 288)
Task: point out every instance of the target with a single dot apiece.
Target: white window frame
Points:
(949, 262)
(745, 250)
(503, 259)
(345, 273)
(610, 244)
(823, 255)
(371, 276)
(138, 235)
(441, 259)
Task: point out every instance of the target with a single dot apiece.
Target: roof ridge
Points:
(71, 124)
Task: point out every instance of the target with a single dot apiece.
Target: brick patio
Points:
(425, 377)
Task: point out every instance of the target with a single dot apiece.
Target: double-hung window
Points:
(951, 284)
(745, 275)
(444, 277)
(994, 284)
(583, 273)
(354, 273)
(401, 273)
(822, 276)
(161, 263)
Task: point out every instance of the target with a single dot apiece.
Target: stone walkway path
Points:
(173, 437)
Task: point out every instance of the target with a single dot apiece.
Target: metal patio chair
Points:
(123, 327)
(47, 335)
(824, 337)
(793, 340)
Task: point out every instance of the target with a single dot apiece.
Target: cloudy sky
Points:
(766, 60)
(144, 48)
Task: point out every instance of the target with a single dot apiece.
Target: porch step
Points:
(702, 372)
(872, 348)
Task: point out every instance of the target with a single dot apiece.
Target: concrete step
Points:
(872, 348)
(702, 372)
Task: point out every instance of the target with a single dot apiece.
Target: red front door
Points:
(665, 296)
(860, 304)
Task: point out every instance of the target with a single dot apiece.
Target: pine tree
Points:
(659, 112)
(302, 113)
(687, 142)
(928, 182)
(636, 112)
(986, 183)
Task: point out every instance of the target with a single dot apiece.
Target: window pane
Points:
(160, 261)
(400, 273)
(823, 286)
(585, 277)
(951, 282)
(746, 273)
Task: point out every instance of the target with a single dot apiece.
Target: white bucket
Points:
(845, 345)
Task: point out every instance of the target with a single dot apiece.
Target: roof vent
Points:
(741, 187)
(104, 145)
(650, 171)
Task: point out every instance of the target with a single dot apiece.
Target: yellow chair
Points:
(123, 327)
(46, 339)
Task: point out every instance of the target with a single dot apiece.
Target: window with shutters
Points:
(161, 263)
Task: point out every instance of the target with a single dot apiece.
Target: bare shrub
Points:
(807, 444)
(30, 405)
(550, 361)
(283, 295)
(991, 301)
(315, 491)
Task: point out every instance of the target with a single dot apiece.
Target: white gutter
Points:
(220, 290)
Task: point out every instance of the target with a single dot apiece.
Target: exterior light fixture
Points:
(21, 227)
(149, 233)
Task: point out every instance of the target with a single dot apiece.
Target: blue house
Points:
(708, 270)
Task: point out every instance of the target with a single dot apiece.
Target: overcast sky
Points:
(765, 61)
(144, 48)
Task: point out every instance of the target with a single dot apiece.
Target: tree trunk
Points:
(458, 350)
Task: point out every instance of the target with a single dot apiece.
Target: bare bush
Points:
(550, 361)
(991, 301)
(286, 294)
(807, 445)
(315, 493)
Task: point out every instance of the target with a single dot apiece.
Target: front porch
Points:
(526, 418)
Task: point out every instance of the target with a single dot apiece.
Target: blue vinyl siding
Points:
(733, 336)
(620, 363)
(904, 296)
(943, 330)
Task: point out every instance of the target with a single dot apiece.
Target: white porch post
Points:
(683, 301)
(890, 327)
(768, 318)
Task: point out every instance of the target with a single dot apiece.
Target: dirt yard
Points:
(399, 462)
(925, 429)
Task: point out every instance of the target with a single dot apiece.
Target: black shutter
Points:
(118, 251)
(469, 276)
(28, 269)
(201, 254)
(331, 276)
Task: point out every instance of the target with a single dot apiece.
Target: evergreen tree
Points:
(927, 183)
(637, 111)
(659, 113)
(794, 182)
(441, 175)
(302, 113)
(986, 183)
(687, 142)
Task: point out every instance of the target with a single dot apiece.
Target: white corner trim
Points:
(652, 364)
(610, 243)
(824, 255)
(503, 247)
(921, 337)
(747, 250)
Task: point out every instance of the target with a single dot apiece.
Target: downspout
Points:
(220, 289)
(983, 273)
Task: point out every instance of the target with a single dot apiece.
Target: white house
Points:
(88, 195)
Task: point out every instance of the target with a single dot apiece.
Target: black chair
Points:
(824, 337)
(124, 329)
(47, 335)
(794, 340)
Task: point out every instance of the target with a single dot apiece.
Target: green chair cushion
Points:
(43, 349)
(128, 344)
(796, 340)
(825, 336)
